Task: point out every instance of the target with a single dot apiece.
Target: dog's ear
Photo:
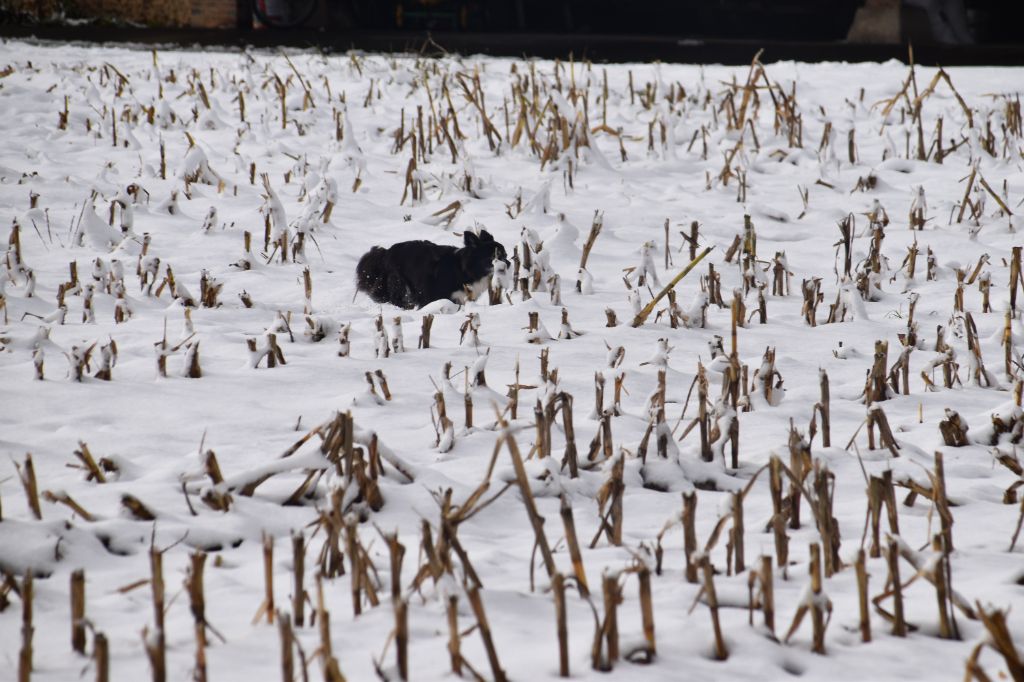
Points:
(470, 239)
(485, 236)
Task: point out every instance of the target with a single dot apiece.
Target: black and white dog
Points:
(412, 274)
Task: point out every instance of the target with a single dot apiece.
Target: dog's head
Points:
(480, 252)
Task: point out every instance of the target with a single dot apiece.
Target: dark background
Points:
(990, 21)
(695, 31)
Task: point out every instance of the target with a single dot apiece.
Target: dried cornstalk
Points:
(650, 650)
(197, 603)
(828, 526)
(561, 624)
(765, 596)
(101, 657)
(823, 409)
(572, 541)
(78, 611)
(708, 590)
(736, 533)
(299, 596)
(813, 603)
(427, 323)
(881, 492)
(473, 592)
(899, 624)
(402, 638)
(136, 508)
(862, 597)
(28, 482)
(27, 628)
(610, 623)
(609, 499)
(875, 390)
(689, 521)
(1000, 639)
(639, 319)
(156, 646)
(284, 626)
(267, 607)
(953, 429)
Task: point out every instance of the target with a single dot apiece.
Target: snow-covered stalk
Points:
(271, 351)
(88, 314)
(426, 323)
(108, 358)
(919, 208)
(79, 358)
(445, 429)
(344, 346)
(536, 332)
(766, 375)
(811, 289)
(381, 343)
(397, 339)
(953, 429)
(645, 268)
(712, 282)
(875, 389)
(470, 327)
(38, 359)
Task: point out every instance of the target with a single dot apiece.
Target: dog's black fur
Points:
(412, 274)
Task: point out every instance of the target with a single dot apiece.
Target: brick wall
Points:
(164, 13)
(213, 13)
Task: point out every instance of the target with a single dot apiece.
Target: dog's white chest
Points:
(472, 291)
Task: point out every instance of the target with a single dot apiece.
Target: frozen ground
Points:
(339, 145)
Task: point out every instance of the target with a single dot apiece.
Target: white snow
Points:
(157, 430)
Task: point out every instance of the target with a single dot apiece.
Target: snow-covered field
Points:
(157, 164)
